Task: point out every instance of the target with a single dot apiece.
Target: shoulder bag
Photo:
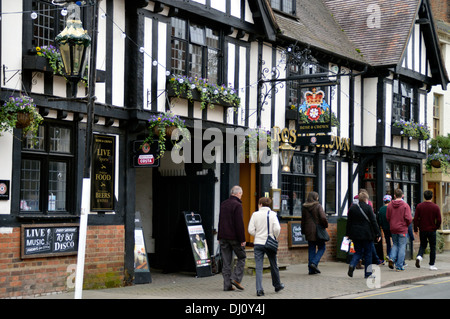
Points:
(271, 243)
(321, 232)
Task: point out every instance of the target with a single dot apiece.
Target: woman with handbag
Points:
(314, 224)
(264, 226)
(362, 228)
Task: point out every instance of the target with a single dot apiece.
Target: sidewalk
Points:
(333, 282)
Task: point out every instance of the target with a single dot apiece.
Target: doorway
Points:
(173, 195)
(248, 182)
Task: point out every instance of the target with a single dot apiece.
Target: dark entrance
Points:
(172, 196)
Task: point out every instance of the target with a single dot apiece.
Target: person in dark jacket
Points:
(384, 224)
(362, 228)
(427, 220)
(231, 236)
(313, 214)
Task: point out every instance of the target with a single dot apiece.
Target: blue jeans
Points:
(313, 254)
(398, 250)
(259, 252)
(363, 250)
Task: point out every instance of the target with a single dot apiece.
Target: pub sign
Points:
(103, 179)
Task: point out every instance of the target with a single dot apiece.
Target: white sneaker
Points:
(418, 259)
(433, 267)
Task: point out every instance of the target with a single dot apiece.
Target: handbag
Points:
(321, 232)
(271, 243)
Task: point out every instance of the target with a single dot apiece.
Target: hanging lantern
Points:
(74, 45)
(286, 154)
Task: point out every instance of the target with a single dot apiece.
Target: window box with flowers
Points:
(45, 59)
(161, 126)
(198, 89)
(411, 130)
(20, 112)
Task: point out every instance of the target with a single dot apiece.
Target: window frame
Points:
(402, 181)
(412, 107)
(283, 5)
(186, 40)
(46, 157)
(303, 176)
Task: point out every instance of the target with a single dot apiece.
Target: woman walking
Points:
(362, 228)
(257, 227)
(313, 214)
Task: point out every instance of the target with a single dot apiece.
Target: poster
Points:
(141, 266)
(103, 179)
(199, 245)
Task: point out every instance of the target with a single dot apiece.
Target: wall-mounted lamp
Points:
(286, 154)
(74, 45)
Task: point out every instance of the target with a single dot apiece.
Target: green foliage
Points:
(12, 108)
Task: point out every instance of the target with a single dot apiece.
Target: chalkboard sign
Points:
(49, 240)
(296, 238)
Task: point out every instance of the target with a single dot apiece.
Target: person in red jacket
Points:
(427, 220)
(231, 236)
(399, 216)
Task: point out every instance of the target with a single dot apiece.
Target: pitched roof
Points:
(316, 27)
(383, 45)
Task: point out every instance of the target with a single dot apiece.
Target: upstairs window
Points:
(195, 50)
(404, 105)
(48, 23)
(287, 6)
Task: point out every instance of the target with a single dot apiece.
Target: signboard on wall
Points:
(145, 154)
(4, 189)
(199, 246)
(48, 240)
(103, 178)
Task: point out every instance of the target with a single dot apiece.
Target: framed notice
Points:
(276, 199)
(48, 240)
(102, 178)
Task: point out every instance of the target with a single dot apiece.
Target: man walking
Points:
(427, 220)
(399, 217)
(231, 236)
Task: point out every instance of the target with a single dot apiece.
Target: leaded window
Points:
(195, 50)
(47, 160)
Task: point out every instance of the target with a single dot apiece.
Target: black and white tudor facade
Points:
(381, 61)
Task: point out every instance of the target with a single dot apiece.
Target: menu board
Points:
(49, 240)
(296, 237)
(102, 179)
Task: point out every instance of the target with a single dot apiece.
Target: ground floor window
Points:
(405, 177)
(297, 184)
(47, 160)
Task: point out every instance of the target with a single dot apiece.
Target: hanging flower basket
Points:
(20, 112)
(438, 160)
(435, 163)
(162, 127)
(23, 120)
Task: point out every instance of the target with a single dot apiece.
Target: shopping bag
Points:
(345, 246)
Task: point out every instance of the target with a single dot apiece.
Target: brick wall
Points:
(104, 265)
(298, 255)
(441, 10)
